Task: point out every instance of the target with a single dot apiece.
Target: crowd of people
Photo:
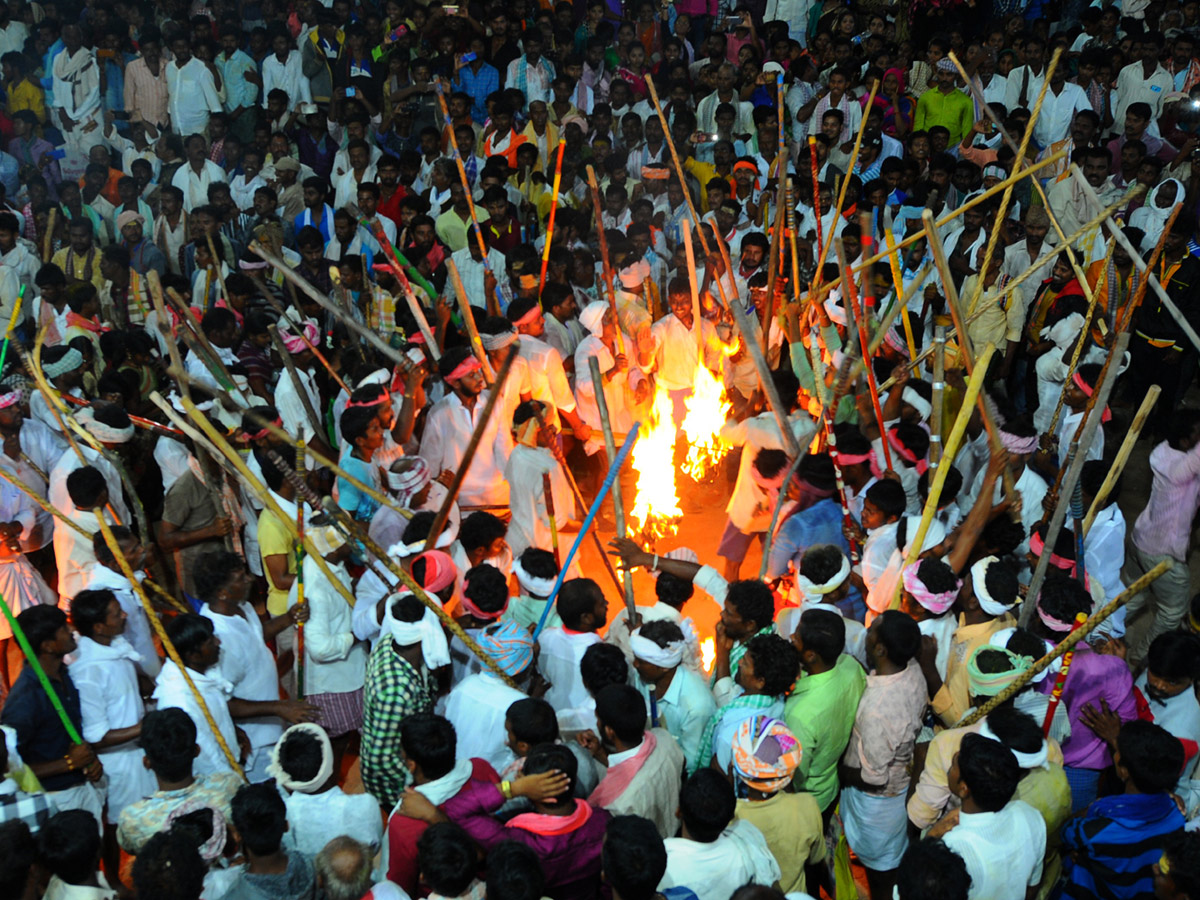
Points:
(324, 323)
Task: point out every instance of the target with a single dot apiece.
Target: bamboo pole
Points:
(464, 309)
(850, 300)
(939, 388)
(776, 235)
(139, 421)
(548, 497)
(815, 166)
(1122, 457)
(460, 471)
(140, 592)
(690, 252)
(1068, 643)
(605, 262)
(1076, 456)
(212, 360)
(562, 147)
(217, 260)
(314, 418)
(610, 446)
(1163, 296)
(48, 239)
(44, 504)
(974, 386)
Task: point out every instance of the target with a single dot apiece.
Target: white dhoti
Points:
(128, 780)
(876, 827)
(21, 587)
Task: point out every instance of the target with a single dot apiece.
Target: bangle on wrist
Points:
(655, 565)
(70, 763)
(506, 789)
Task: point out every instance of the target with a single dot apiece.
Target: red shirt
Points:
(390, 206)
(504, 238)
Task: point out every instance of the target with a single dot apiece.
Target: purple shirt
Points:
(1165, 525)
(571, 861)
(1092, 676)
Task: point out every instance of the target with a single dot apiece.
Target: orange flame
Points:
(708, 653)
(656, 513)
(707, 412)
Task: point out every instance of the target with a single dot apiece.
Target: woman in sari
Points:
(898, 107)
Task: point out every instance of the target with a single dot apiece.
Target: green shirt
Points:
(954, 110)
(820, 712)
(393, 691)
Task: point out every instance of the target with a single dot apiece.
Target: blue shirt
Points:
(238, 91)
(820, 523)
(478, 85)
(40, 733)
(324, 225)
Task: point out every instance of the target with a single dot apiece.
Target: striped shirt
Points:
(146, 93)
(394, 691)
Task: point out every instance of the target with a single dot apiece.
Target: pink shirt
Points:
(885, 728)
(1165, 525)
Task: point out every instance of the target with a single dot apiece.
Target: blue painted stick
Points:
(11, 324)
(613, 469)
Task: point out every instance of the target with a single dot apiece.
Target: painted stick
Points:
(1061, 680)
(12, 322)
(548, 495)
(939, 387)
(464, 309)
(614, 467)
(1076, 456)
(299, 545)
(1122, 457)
(48, 240)
(618, 501)
(36, 665)
(816, 189)
(1068, 642)
(562, 147)
(216, 261)
(139, 421)
(460, 471)
(974, 386)
(850, 300)
(390, 252)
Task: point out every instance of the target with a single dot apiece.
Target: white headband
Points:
(177, 405)
(381, 377)
(401, 550)
(979, 581)
(917, 402)
(284, 780)
(1039, 760)
(105, 434)
(498, 341)
(427, 631)
(535, 587)
(815, 592)
(667, 657)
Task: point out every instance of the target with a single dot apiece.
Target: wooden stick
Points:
(213, 361)
(123, 563)
(690, 252)
(562, 147)
(850, 301)
(974, 386)
(610, 446)
(299, 549)
(1068, 642)
(48, 240)
(460, 471)
(316, 351)
(44, 504)
(1073, 466)
(138, 421)
(217, 260)
(1122, 457)
(939, 386)
(325, 303)
(464, 309)
(314, 419)
(548, 496)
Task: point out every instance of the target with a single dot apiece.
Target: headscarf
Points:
(440, 570)
(815, 593)
(71, 361)
(667, 657)
(989, 684)
(426, 631)
(934, 602)
(1038, 760)
(1001, 639)
(215, 845)
(510, 645)
(1022, 446)
(105, 434)
(765, 754)
(10, 399)
(482, 614)
(276, 770)
(407, 484)
(592, 317)
(1152, 218)
(297, 343)
(987, 603)
(535, 587)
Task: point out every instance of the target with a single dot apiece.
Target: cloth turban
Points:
(510, 645)
(765, 754)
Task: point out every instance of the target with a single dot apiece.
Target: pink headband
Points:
(464, 368)
(439, 569)
(478, 613)
(1087, 392)
(935, 603)
(1020, 445)
(853, 459)
(527, 318)
(264, 431)
(383, 398)
(906, 454)
(1052, 623)
(304, 341)
(1037, 544)
(10, 399)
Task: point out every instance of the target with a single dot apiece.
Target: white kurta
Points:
(191, 97)
(195, 184)
(715, 870)
(171, 691)
(448, 429)
(137, 626)
(477, 707)
(559, 664)
(249, 667)
(335, 661)
(530, 524)
(291, 407)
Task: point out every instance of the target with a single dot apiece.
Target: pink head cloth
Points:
(1087, 389)
(853, 459)
(293, 343)
(440, 570)
(478, 613)
(1018, 445)
(935, 603)
(464, 368)
(896, 444)
(10, 399)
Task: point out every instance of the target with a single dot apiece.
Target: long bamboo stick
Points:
(460, 471)
(464, 309)
(1122, 457)
(974, 386)
(562, 147)
(610, 446)
(939, 390)
(850, 300)
(314, 418)
(605, 261)
(1068, 643)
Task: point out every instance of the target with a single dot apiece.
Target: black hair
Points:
(169, 867)
(900, 636)
(188, 632)
(85, 487)
(1151, 754)
(552, 757)
(418, 526)
(487, 588)
(479, 530)
(1063, 597)
(1092, 477)
(936, 575)
(770, 462)
(623, 709)
(1016, 730)
(260, 817)
(601, 665)
(533, 721)
(168, 740)
(356, 422)
(1174, 655)
(430, 742)
(1002, 583)
(539, 563)
(300, 755)
(753, 601)
(514, 873)
(577, 597)
(673, 590)
(447, 857)
(212, 571)
(68, 844)
(950, 489)
(824, 633)
(273, 475)
(989, 769)
(1182, 850)
(887, 495)
(1182, 426)
(633, 857)
(776, 662)
(40, 624)
(89, 609)
(930, 869)
(663, 632)
(407, 608)
(706, 805)
(17, 852)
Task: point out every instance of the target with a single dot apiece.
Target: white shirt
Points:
(477, 707)
(312, 818)
(346, 186)
(172, 456)
(676, 353)
(1002, 850)
(195, 185)
(1023, 87)
(335, 661)
(559, 664)
(1104, 549)
(748, 507)
(137, 626)
(448, 429)
(288, 76)
(242, 191)
(172, 692)
(1058, 110)
(1134, 87)
(547, 379)
(68, 463)
(249, 667)
(1017, 260)
(191, 96)
(715, 870)
(291, 407)
(472, 272)
(530, 524)
(108, 689)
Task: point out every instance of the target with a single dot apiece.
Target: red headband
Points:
(464, 368)
(906, 454)
(1087, 389)
(264, 431)
(1037, 544)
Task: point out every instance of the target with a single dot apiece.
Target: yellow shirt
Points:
(792, 825)
(24, 95)
(953, 700)
(275, 538)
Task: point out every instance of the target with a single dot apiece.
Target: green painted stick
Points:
(32, 659)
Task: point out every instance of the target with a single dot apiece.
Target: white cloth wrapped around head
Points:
(667, 657)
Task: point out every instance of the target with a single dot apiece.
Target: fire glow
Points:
(656, 513)
(708, 654)
(707, 412)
